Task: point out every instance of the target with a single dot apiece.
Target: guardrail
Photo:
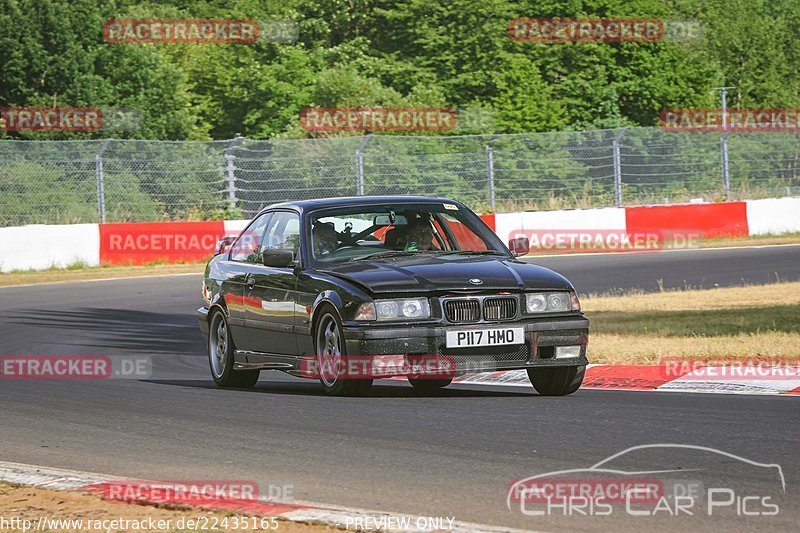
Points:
(36, 247)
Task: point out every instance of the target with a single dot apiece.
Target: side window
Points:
(283, 232)
(246, 247)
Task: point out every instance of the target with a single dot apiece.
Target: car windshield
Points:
(391, 231)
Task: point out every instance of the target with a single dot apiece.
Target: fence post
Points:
(360, 185)
(618, 166)
(490, 173)
(101, 188)
(726, 178)
(723, 142)
(230, 172)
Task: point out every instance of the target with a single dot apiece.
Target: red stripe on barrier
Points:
(144, 242)
(795, 391)
(489, 220)
(704, 220)
(625, 377)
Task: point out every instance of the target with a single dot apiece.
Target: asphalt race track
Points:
(679, 269)
(450, 455)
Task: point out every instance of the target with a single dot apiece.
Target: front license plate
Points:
(485, 337)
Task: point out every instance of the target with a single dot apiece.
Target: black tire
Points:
(331, 352)
(220, 356)
(558, 380)
(429, 385)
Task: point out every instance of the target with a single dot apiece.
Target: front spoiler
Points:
(541, 336)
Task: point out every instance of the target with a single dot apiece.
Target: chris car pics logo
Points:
(689, 481)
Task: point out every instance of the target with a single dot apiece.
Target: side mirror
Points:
(519, 246)
(224, 244)
(274, 257)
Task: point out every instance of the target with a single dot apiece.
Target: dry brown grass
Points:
(757, 240)
(33, 502)
(758, 320)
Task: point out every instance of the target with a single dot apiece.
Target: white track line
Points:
(122, 278)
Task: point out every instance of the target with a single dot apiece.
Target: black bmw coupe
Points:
(348, 290)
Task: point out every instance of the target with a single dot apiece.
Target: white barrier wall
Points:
(235, 227)
(773, 216)
(37, 247)
(609, 218)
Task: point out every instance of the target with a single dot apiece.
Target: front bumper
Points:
(542, 336)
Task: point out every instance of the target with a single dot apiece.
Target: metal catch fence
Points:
(114, 180)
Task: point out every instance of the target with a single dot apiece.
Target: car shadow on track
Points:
(111, 330)
(379, 390)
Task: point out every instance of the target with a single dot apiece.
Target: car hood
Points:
(432, 274)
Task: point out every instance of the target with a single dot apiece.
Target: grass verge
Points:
(645, 245)
(34, 503)
(755, 240)
(77, 272)
(749, 321)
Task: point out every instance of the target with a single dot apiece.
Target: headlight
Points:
(407, 308)
(551, 302)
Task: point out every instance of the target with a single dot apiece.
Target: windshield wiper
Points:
(405, 253)
(390, 253)
(472, 252)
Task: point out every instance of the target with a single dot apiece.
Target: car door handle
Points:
(250, 281)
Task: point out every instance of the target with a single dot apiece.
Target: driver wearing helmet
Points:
(324, 239)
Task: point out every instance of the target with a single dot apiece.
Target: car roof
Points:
(306, 205)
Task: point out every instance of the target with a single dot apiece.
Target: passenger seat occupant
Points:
(419, 237)
(397, 237)
(324, 239)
